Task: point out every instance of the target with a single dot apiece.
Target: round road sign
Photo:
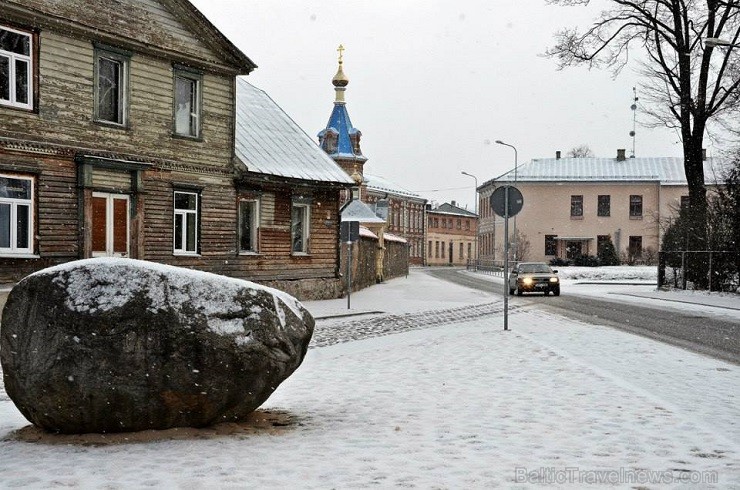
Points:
(498, 201)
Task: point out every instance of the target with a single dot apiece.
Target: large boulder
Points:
(112, 345)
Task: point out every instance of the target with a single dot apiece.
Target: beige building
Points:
(451, 235)
(572, 204)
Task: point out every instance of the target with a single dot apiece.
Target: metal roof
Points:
(359, 211)
(340, 122)
(268, 141)
(380, 184)
(667, 170)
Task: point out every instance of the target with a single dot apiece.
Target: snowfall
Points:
(415, 383)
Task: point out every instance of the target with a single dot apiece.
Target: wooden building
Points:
(117, 138)
(288, 198)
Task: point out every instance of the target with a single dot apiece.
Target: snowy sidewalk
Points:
(457, 405)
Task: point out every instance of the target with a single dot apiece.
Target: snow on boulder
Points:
(112, 345)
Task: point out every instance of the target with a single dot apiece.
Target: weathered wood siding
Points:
(147, 21)
(78, 156)
(364, 262)
(275, 260)
(57, 238)
(66, 108)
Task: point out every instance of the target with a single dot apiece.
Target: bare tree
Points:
(691, 82)
(580, 151)
(521, 253)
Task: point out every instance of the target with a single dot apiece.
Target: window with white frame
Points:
(16, 68)
(248, 226)
(299, 228)
(111, 87)
(16, 215)
(187, 103)
(186, 223)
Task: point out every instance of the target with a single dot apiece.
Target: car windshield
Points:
(529, 268)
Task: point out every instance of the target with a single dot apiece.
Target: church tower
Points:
(340, 140)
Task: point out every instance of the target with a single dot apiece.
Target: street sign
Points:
(498, 201)
(506, 201)
(349, 231)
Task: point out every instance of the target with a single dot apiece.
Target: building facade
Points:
(451, 235)
(403, 210)
(571, 205)
(117, 138)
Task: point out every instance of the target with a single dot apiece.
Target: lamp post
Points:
(516, 165)
(713, 42)
(475, 206)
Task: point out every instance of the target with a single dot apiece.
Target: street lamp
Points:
(477, 228)
(516, 165)
(499, 142)
(713, 42)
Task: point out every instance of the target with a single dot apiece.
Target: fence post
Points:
(710, 271)
(683, 270)
(661, 269)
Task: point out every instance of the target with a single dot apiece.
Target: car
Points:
(530, 277)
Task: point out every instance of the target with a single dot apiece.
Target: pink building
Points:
(572, 204)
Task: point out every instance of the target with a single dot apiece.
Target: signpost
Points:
(349, 232)
(506, 201)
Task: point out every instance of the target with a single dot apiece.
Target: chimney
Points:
(454, 203)
(557, 155)
(704, 154)
(621, 155)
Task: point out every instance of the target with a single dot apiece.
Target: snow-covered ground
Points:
(463, 405)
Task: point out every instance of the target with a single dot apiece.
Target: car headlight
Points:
(553, 279)
(527, 281)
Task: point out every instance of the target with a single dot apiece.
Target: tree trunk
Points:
(696, 214)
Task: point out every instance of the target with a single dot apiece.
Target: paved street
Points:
(719, 338)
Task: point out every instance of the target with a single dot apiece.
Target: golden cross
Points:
(341, 52)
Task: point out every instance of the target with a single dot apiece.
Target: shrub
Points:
(560, 262)
(607, 253)
(587, 261)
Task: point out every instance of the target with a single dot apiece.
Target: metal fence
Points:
(699, 269)
(493, 267)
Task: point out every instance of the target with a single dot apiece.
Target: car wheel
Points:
(556, 292)
(547, 293)
(511, 292)
(519, 292)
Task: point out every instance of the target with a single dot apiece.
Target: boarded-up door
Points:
(110, 225)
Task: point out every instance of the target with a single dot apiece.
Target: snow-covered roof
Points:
(390, 237)
(380, 184)
(450, 209)
(356, 210)
(364, 232)
(268, 141)
(667, 170)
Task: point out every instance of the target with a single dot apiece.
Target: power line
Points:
(446, 189)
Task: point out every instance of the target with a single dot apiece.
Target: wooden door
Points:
(110, 225)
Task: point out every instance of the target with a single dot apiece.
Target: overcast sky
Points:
(433, 84)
